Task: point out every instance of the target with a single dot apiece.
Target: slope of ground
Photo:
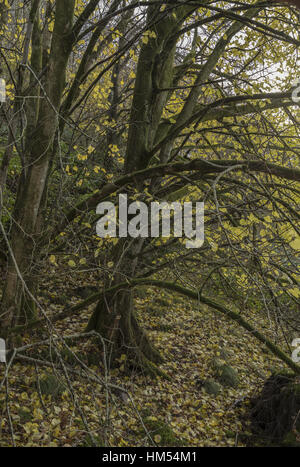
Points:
(69, 404)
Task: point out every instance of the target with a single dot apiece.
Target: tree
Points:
(163, 95)
(149, 135)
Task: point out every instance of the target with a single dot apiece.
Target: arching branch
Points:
(188, 293)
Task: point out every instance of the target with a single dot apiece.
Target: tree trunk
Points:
(115, 321)
(114, 318)
(24, 237)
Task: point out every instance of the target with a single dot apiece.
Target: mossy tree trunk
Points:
(114, 317)
(40, 134)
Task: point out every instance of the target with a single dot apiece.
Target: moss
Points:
(50, 385)
(224, 373)
(68, 356)
(88, 443)
(212, 387)
(217, 363)
(283, 373)
(25, 415)
(228, 376)
(162, 429)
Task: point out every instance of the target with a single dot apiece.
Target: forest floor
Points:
(47, 409)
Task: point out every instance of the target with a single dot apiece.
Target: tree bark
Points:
(114, 317)
(32, 182)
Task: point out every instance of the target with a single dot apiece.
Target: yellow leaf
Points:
(295, 292)
(214, 246)
(295, 244)
(52, 259)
